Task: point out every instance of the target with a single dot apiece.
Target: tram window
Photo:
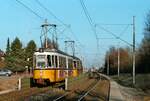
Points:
(64, 62)
(58, 65)
(56, 61)
(77, 64)
(53, 61)
(40, 57)
(70, 63)
(49, 60)
(81, 64)
(74, 64)
(60, 62)
(41, 64)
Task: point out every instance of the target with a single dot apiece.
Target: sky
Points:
(18, 21)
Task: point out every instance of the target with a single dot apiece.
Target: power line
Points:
(51, 13)
(106, 38)
(113, 34)
(124, 30)
(89, 20)
(30, 10)
(42, 18)
(91, 23)
(59, 20)
(88, 16)
(75, 37)
(81, 45)
(105, 24)
(86, 13)
(68, 38)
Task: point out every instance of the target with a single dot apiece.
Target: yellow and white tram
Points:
(51, 66)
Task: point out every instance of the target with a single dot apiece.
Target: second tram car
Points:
(51, 66)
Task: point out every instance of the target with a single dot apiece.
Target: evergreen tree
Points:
(15, 61)
(29, 51)
(8, 47)
(16, 47)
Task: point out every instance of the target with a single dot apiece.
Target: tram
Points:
(52, 66)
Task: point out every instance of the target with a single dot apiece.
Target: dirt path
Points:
(7, 83)
(11, 82)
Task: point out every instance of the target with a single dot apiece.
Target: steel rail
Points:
(88, 92)
(60, 97)
(83, 95)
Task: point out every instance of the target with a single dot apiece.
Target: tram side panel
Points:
(44, 74)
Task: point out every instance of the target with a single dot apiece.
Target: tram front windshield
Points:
(40, 61)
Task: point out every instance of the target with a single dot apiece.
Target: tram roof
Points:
(57, 51)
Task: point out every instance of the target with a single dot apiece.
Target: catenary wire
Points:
(28, 8)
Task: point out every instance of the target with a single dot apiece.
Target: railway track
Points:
(81, 94)
(81, 90)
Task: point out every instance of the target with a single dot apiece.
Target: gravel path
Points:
(132, 94)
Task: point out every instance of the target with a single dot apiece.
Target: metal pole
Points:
(66, 46)
(45, 33)
(73, 47)
(133, 49)
(19, 84)
(56, 37)
(70, 43)
(118, 60)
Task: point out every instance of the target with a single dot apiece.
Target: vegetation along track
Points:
(79, 92)
(95, 88)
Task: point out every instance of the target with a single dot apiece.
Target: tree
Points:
(112, 57)
(16, 61)
(125, 60)
(8, 47)
(144, 49)
(29, 51)
(16, 47)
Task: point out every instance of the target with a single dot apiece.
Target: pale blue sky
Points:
(15, 20)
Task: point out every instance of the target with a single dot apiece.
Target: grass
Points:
(71, 79)
(142, 81)
(25, 82)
